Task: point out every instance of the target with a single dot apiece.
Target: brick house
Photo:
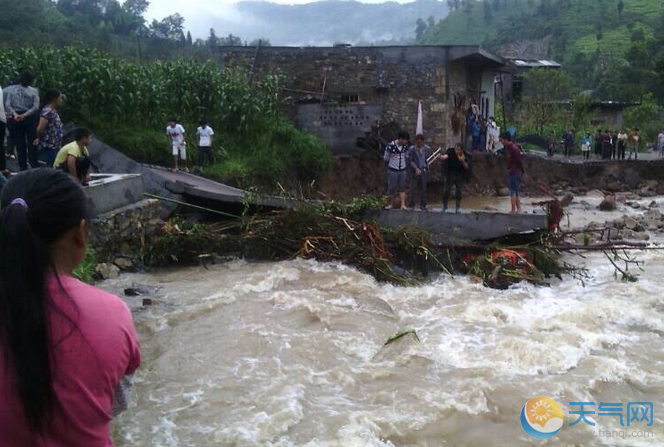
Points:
(339, 93)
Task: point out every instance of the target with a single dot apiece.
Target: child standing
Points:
(585, 146)
(175, 133)
(205, 134)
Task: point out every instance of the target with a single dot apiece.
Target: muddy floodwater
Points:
(287, 354)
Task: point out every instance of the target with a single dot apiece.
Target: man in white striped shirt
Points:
(396, 155)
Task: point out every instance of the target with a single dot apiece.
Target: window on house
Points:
(349, 98)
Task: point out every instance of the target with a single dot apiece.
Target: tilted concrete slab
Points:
(108, 192)
(194, 186)
(467, 225)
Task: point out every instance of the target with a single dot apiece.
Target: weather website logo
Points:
(541, 417)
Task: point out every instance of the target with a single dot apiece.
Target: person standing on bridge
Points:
(607, 145)
(205, 134)
(458, 169)
(660, 142)
(515, 170)
(568, 143)
(417, 160)
(633, 140)
(585, 147)
(175, 133)
(396, 156)
(622, 142)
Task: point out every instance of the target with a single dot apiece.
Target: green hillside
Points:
(470, 23)
(617, 52)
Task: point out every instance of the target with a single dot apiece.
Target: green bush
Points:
(645, 116)
(85, 271)
(142, 145)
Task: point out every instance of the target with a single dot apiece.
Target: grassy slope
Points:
(460, 28)
(576, 22)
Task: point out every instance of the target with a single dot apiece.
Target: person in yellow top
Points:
(74, 157)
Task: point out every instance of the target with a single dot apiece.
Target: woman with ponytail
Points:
(65, 346)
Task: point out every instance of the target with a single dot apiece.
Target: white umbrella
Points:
(419, 128)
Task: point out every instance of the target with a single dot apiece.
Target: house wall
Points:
(610, 117)
(383, 84)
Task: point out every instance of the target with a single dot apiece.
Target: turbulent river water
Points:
(285, 354)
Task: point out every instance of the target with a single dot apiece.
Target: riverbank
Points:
(353, 176)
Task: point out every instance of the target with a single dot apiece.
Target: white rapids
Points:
(284, 355)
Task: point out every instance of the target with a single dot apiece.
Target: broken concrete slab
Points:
(467, 225)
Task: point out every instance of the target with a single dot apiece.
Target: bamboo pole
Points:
(179, 202)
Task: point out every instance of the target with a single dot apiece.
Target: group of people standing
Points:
(408, 163)
(176, 133)
(35, 128)
(484, 132)
(606, 144)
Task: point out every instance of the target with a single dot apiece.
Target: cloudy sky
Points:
(200, 15)
(161, 8)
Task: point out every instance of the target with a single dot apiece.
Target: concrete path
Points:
(195, 181)
(196, 187)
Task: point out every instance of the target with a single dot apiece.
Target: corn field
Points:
(104, 91)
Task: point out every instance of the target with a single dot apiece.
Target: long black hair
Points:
(37, 208)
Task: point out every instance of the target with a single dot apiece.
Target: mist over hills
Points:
(320, 23)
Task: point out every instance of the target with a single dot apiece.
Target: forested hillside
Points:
(613, 47)
(109, 25)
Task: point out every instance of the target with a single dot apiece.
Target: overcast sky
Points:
(200, 14)
(161, 8)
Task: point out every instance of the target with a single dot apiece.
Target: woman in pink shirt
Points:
(65, 347)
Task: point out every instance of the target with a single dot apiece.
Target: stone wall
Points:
(122, 233)
(392, 78)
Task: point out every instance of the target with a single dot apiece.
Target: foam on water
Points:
(285, 355)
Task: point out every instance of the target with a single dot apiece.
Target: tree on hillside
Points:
(599, 35)
(262, 42)
(620, 7)
(468, 11)
(431, 21)
(190, 41)
(420, 28)
(212, 40)
(638, 35)
(137, 8)
(487, 11)
(91, 10)
(171, 27)
(544, 93)
(230, 41)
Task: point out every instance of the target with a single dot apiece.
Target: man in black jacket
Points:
(457, 170)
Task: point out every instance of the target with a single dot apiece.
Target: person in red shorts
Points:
(515, 170)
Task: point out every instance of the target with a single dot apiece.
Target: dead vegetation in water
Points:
(337, 232)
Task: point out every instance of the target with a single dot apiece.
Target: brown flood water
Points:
(282, 354)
